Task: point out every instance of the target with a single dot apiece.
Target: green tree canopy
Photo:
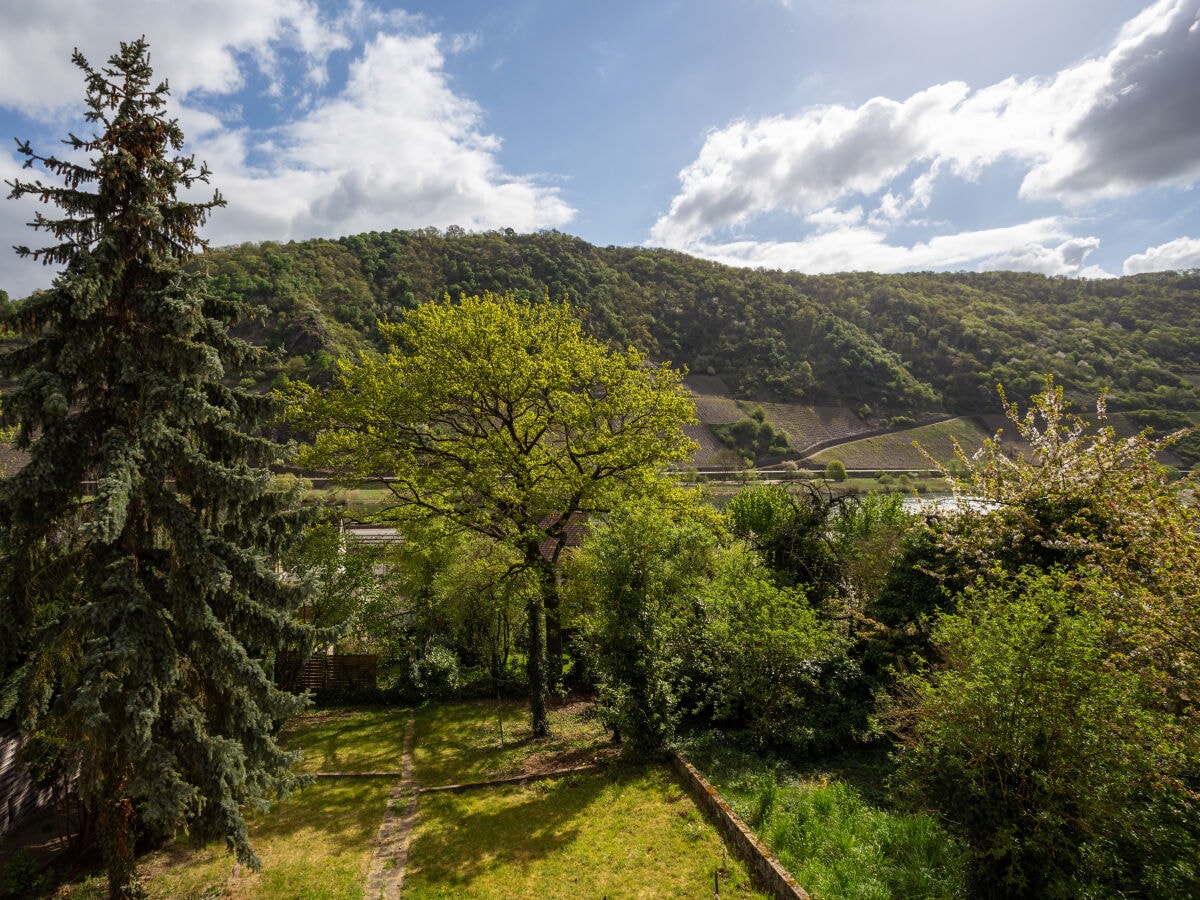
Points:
(139, 603)
(1060, 721)
(637, 577)
(501, 416)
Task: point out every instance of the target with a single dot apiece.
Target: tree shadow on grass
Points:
(323, 834)
(463, 837)
(349, 741)
(480, 740)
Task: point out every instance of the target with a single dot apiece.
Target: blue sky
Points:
(1056, 136)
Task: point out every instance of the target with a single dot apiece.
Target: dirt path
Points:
(391, 851)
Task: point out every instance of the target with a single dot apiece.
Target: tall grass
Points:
(839, 846)
(837, 843)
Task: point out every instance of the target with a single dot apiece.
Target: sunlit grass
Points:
(630, 834)
(895, 450)
(348, 741)
(618, 833)
(462, 742)
(317, 844)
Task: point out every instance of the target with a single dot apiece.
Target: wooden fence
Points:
(343, 672)
(19, 797)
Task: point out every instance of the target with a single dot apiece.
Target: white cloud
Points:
(1043, 245)
(1181, 253)
(206, 43)
(1103, 127)
(21, 275)
(395, 146)
(1138, 126)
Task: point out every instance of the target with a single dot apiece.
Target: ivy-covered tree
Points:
(501, 417)
(139, 601)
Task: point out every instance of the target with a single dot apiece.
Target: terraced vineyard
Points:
(709, 446)
(808, 426)
(895, 450)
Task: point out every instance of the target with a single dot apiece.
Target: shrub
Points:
(767, 662)
(20, 876)
(437, 672)
(835, 471)
(1053, 756)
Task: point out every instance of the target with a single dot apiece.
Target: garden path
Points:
(391, 851)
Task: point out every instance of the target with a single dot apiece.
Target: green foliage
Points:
(138, 614)
(922, 580)
(1059, 725)
(835, 471)
(21, 877)
(344, 585)
(788, 527)
(1053, 756)
(482, 593)
(501, 417)
(898, 344)
(764, 660)
(752, 437)
(437, 673)
(641, 571)
(867, 533)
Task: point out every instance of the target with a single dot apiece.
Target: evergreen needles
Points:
(139, 603)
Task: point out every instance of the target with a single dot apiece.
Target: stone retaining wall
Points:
(774, 877)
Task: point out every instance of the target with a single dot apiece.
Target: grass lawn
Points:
(317, 844)
(632, 833)
(620, 833)
(348, 740)
(461, 742)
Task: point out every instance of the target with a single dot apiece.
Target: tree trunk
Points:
(554, 634)
(538, 686)
(115, 831)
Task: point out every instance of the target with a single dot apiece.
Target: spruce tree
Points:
(139, 601)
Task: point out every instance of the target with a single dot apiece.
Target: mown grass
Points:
(456, 743)
(620, 833)
(316, 844)
(348, 740)
(634, 833)
(833, 830)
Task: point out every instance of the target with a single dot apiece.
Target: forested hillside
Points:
(896, 343)
(880, 345)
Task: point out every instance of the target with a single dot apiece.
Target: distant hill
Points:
(825, 357)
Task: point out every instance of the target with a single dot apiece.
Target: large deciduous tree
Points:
(503, 417)
(139, 601)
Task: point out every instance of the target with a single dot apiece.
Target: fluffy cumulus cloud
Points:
(209, 44)
(1182, 253)
(386, 144)
(396, 147)
(1105, 127)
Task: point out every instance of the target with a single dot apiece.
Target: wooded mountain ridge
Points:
(901, 343)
